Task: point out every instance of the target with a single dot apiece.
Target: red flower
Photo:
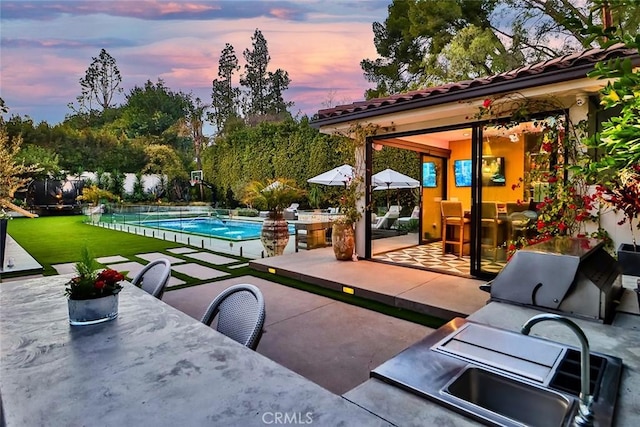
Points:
(547, 147)
(486, 103)
(99, 284)
(553, 179)
(562, 226)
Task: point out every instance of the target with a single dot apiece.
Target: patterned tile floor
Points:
(430, 257)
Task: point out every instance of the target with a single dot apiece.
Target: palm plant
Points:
(273, 195)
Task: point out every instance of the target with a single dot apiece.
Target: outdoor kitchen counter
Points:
(151, 366)
(403, 408)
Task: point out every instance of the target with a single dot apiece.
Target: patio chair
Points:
(240, 313)
(153, 278)
(386, 221)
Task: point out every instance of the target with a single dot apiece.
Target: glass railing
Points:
(156, 221)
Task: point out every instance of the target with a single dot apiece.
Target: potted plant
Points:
(623, 195)
(617, 169)
(274, 196)
(342, 231)
(92, 295)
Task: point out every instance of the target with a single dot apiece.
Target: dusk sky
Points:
(48, 45)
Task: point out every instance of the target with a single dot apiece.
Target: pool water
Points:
(213, 227)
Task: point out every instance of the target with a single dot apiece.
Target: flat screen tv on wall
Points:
(462, 172)
(493, 171)
(429, 176)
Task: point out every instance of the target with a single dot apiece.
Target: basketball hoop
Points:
(196, 177)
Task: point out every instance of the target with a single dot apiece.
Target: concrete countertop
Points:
(403, 408)
(152, 365)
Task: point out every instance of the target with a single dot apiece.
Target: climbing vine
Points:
(565, 205)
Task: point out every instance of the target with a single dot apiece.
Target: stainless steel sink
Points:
(498, 399)
(477, 370)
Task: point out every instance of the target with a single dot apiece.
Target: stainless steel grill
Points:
(565, 275)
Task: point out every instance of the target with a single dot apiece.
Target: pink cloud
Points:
(322, 58)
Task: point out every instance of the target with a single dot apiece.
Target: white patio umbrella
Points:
(390, 179)
(336, 176)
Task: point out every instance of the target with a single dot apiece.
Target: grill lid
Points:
(562, 274)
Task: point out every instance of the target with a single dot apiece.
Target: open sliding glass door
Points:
(500, 161)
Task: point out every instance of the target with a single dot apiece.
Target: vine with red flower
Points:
(565, 205)
(623, 195)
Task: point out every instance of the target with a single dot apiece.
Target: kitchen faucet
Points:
(584, 417)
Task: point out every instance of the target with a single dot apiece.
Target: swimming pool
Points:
(212, 227)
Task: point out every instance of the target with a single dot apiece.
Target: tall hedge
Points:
(288, 149)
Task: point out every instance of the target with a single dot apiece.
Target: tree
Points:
(430, 42)
(224, 96)
(46, 159)
(155, 114)
(255, 74)
(193, 123)
(264, 89)
(163, 160)
(278, 83)
(412, 38)
(13, 174)
(100, 83)
(473, 52)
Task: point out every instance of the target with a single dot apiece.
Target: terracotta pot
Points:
(343, 241)
(274, 235)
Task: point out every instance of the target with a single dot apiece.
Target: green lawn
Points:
(59, 239)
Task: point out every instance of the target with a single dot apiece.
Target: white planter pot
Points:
(92, 311)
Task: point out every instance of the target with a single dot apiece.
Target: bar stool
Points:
(453, 216)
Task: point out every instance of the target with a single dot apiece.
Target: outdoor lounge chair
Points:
(291, 212)
(153, 278)
(386, 221)
(415, 214)
(240, 313)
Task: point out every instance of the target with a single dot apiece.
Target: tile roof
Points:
(564, 68)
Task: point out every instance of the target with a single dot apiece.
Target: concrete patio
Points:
(332, 343)
(425, 292)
